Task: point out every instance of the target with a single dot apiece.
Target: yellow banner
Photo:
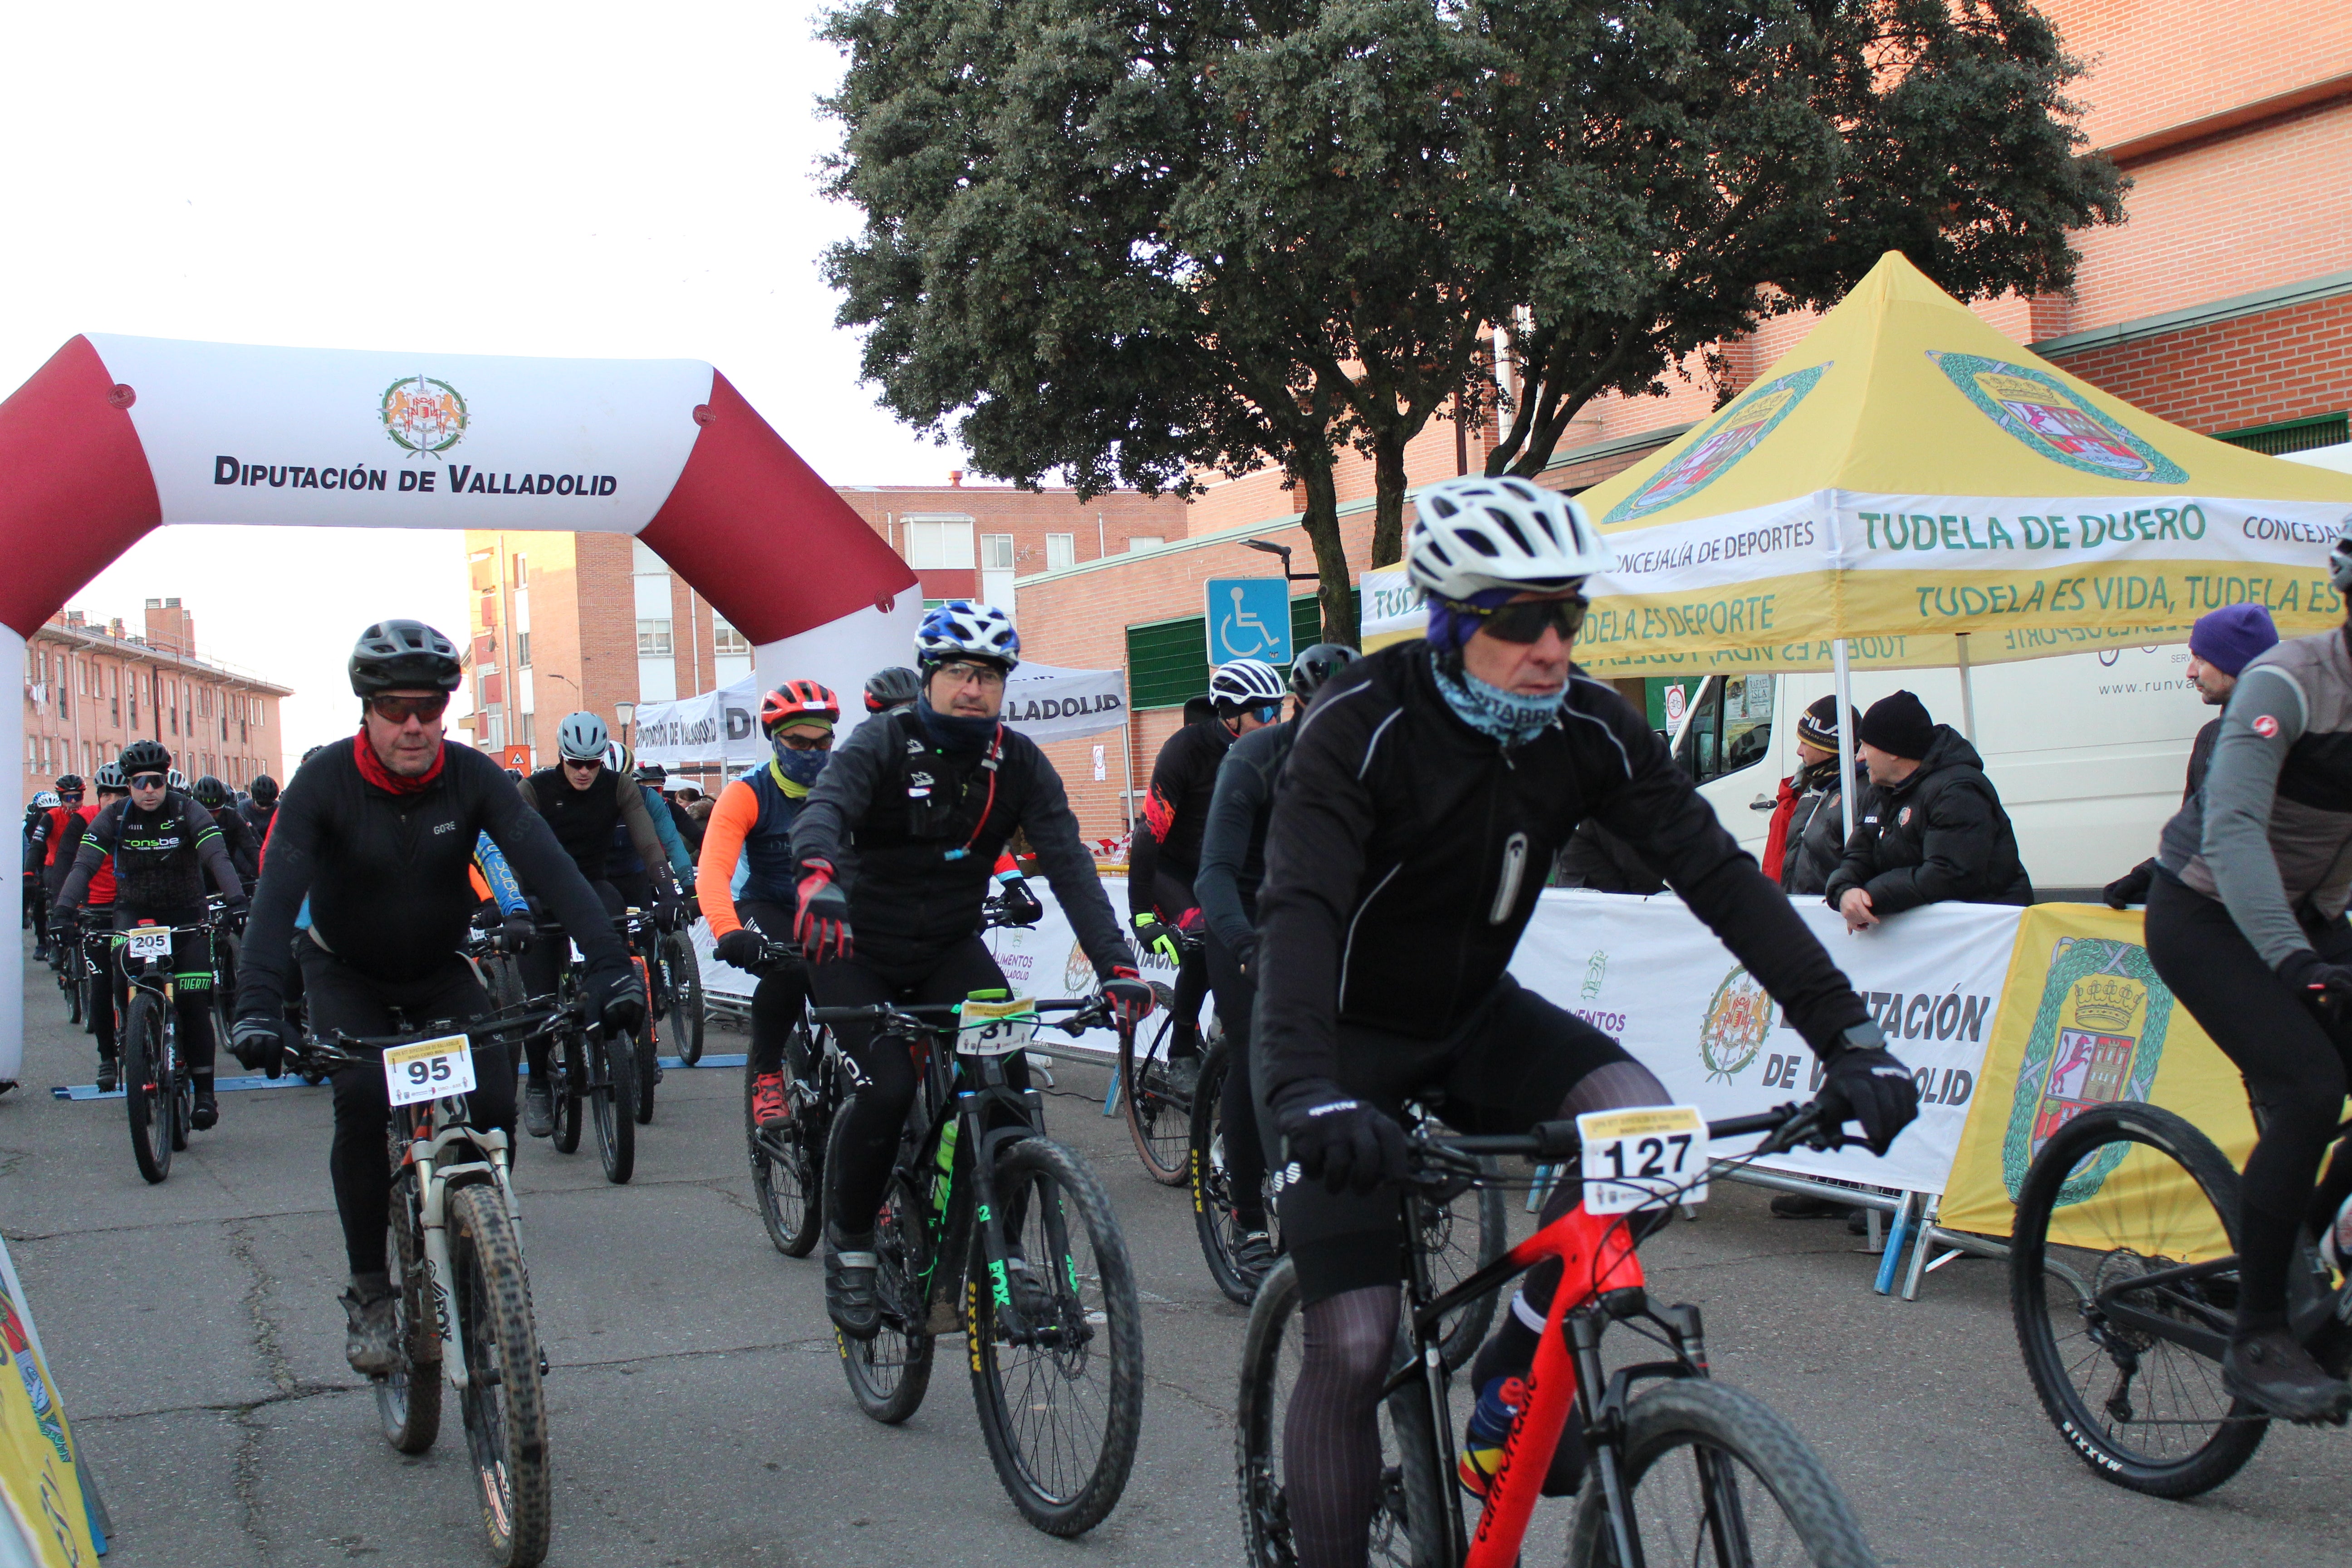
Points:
(37, 1467)
(2084, 1020)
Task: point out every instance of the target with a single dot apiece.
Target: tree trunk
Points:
(1388, 500)
(1321, 522)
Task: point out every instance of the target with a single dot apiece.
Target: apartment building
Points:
(90, 690)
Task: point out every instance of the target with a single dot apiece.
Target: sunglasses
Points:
(401, 709)
(585, 765)
(963, 674)
(805, 742)
(148, 781)
(1526, 623)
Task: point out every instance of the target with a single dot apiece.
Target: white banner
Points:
(1045, 702)
(719, 726)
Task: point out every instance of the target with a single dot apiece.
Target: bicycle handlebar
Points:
(336, 1049)
(1553, 1141)
(907, 1017)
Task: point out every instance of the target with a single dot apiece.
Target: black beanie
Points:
(1818, 724)
(1899, 724)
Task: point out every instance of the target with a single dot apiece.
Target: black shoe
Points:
(373, 1326)
(2269, 1370)
(206, 1113)
(40, 955)
(849, 1264)
(110, 1074)
(538, 1110)
(1255, 1256)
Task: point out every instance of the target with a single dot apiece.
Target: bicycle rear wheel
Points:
(1460, 1238)
(503, 1404)
(2122, 1191)
(1712, 1476)
(408, 1398)
(685, 971)
(1407, 1528)
(890, 1373)
(787, 1165)
(1060, 1405)
(1213, 1217)
(146, 1084)
(612, 1102)
(1159, 1109)
(648, 1054)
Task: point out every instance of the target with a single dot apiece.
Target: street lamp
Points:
(1283, 551)
(624, 712)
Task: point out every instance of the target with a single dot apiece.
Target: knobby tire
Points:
(504, 1406)
(146, 1087)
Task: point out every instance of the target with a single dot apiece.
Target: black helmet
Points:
(394, 654)
(892, 688)
(652, 774)
(210, 793)
(1318, 664)
(145, 757)
(264, 790)
(70, 784)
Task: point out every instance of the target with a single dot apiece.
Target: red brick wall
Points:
(100, 696)
(1097, 527)
(2159, 63)
(2256, 369)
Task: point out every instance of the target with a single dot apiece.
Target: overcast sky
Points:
(578, 181)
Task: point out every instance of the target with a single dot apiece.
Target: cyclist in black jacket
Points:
(1232, 865)
(260, 806)
(1427, 793)
(379, 833)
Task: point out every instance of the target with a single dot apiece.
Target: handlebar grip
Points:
(1556, 1140)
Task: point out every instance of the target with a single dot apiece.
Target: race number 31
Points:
(427, 1069)
(1643, 1158)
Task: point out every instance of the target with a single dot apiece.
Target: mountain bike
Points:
(639, 934)
(455, 1251)
(158, 1090)
(1685, 1470)
(593, 1069)
(676, 977)
(1461, 1236)
(1157, 1093)
(788, 1163)
(2122, 1288)
(73, 967)
(988, 1224)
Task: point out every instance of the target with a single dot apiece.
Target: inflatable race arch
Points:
(115, 436)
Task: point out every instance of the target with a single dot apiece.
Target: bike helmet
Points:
(307, 754)
(403, 655)
(581, 738)
(1475, 535)
(177, 780)
(620, 759)
(70, 784)
(1318, 664)
(211, 793)
(2339, 559)
(965, 628)
(47, 800)
(652, 774)
(797, 699)
(109, 776)
(1244, 683)
(892, 688)
(143, 757)
(264, 790)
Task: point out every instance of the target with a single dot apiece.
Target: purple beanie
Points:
(1449, 627)
(2228, 638)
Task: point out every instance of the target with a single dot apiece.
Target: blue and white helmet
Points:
(1244, 683)
(965, 628)
(46, 800)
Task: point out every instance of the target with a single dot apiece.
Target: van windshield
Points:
(1730, 727)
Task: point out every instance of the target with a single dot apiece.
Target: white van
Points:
(2088, 750)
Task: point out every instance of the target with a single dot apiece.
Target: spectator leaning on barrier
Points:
(1931, 830)
(2220, 644)
(1807, 839)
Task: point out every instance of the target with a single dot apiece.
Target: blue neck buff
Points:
(800, 767)
(952, 733)
(1499, 715)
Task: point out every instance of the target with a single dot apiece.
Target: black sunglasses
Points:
(148, 781)
(1525, 623)
(401, 709)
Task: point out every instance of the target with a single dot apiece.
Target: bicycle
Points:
(462, 1297)
(676, 975)
(2123, 1274)
(1460, 1238)
(73, 967)
(638, 931)
(976, 1192)
(590, 1065)
(788, 1164)
(1686, 1471)
(1153, 1094)
(158, 1090)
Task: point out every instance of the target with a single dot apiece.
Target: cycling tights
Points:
(1245, 1154)
(780, 1001)
(1172, 896)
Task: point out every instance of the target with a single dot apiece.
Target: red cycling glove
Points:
(823, 928)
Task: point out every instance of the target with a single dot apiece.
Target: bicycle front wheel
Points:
(147, 1084)
(2131, 1376)
(408, 1398)
(613, 1101)
(685, 972)
(70, 982)
(504, 1407)
(1061, 1392)
(1408, 1527)
(1158, 1105)
(648, 1054)
(567, 1063)
(1712, 1476)
(1459, 1239)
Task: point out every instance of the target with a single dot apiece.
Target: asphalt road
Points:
(699, 1414)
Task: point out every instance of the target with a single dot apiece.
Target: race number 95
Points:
(428, 1069)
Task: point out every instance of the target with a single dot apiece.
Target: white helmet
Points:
(1245, 683)
(1474, 533)
(620, 759)
(581, 738)
(47, 800)
(177, 780)
(966, 628)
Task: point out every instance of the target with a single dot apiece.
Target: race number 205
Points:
(1642, 1159)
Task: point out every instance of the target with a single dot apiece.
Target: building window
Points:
(726, 641)
(943, 543)
(522, 649)
(653, 638)
(2293, 435)
(1060, 551)
(996, 552)
(1139, 541)
(521, 571)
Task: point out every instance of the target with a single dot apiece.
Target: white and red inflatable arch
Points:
(115, 436)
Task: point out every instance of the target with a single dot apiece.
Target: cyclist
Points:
(897, 687)
(1233, 864)
(625, 867)
(97, 913)
(929, 795)
(162, 845)
(378, 834)
(37, 900)
(655, 777)
(261, 805)
(582, 800)
(244, 847)
(1426, 792)
(753, 823)
(55, 838)
(2245, 924)
(1165, 853)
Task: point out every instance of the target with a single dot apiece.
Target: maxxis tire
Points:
(485, 1254)
(151, 1110)
(2029, 1282)
(1736, 1423)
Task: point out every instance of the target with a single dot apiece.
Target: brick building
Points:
(91, 690)
(606, 626)
(2223, 303)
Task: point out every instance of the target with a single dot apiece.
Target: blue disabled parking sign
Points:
(1249, 618)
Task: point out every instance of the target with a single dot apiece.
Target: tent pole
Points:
(1967, 691)
(1126, 755)
(1845, 676)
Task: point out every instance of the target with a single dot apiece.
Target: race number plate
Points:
(152, 943)
(1642, 1159)
(996, 1028)
(428, 1069)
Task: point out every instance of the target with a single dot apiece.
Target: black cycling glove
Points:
(515, 932)
(1866, 1084)
(741, 947)
(620, 1001)
(259, 1042)
(1350, 1143)
(1021, 905)
(2313, 978)
(2131, 888)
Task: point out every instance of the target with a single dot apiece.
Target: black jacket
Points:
(1232, 844)
(1407, 850)
(1815, 844)
(160, 859)
(1939, 837)
(1166, 840)
(1599, 860)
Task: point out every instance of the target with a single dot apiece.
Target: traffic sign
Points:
(1248, 617)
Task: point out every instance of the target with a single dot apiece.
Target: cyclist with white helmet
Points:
(37, 897)
(927, 796)
(640, 882)
(582, 800)
(1164, 851)
(1427, 793)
